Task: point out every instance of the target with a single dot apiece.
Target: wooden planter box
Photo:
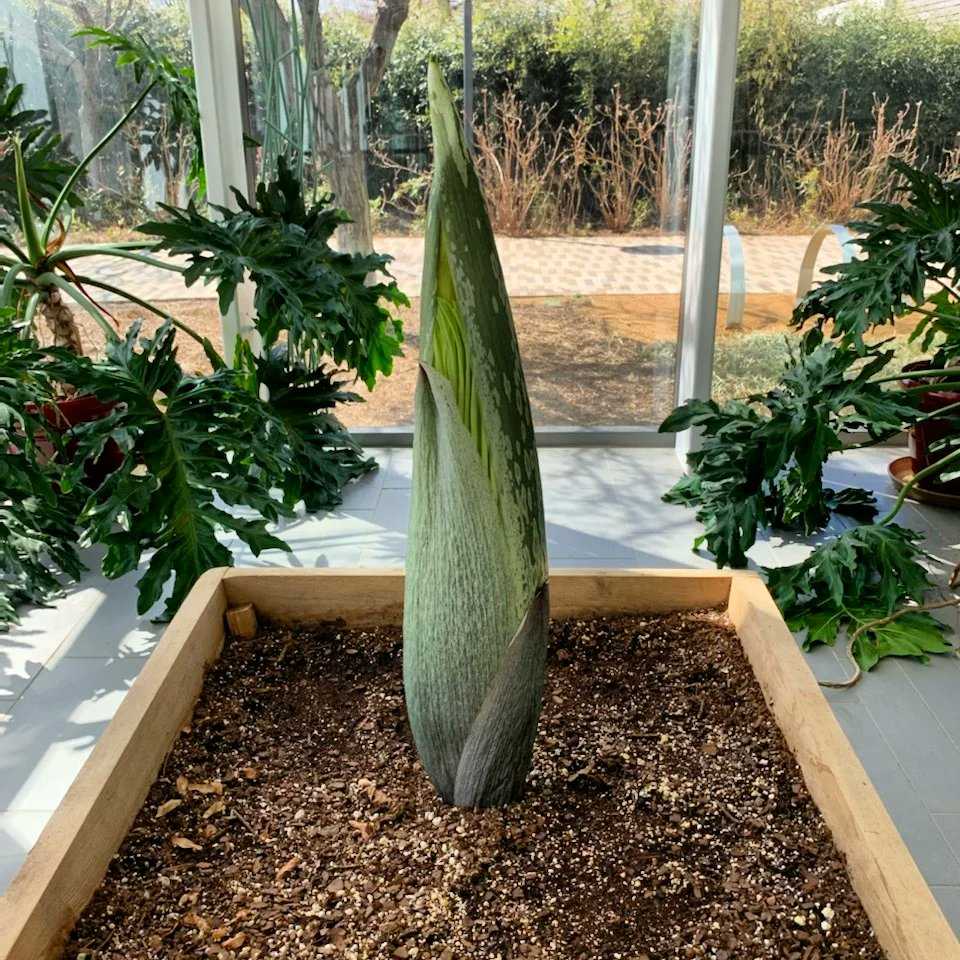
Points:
(65, 867)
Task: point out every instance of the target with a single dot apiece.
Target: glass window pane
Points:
(827, 95)
(85, 94)
(582, 133)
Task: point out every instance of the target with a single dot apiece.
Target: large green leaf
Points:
(324, 455)
(475, 610)
(191, 444)
(904, 248)
(37, 534)
(320, 299)
(760, 462)
(863, 575)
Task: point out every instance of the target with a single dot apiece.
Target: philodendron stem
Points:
(936, 414)
(928, 471)
(883, 437)
(854, 678)
(928, 387)
(918, 375)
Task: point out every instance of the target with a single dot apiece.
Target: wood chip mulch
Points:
(664, 817)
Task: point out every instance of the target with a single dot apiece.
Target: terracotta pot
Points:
(65, 414)
(924, 435)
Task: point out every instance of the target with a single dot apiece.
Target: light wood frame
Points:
(65, 867)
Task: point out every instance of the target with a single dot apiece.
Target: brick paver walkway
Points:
(542, 266)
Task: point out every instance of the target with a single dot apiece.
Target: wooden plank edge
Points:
(906, 917)
(65, 867)
(366, 596)
(59, 873)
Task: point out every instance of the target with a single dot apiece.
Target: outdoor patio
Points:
(67, 667)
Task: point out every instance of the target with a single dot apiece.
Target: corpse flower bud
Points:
(476, 605)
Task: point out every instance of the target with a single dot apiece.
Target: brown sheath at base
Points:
(65, 867)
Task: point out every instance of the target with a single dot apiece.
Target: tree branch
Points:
(391, 15)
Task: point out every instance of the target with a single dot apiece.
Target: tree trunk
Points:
(62, 324)
(132, 171)
(341, 116)
(171, 189)
(348, 180)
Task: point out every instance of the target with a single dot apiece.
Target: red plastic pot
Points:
(924, 435)
(65, 414)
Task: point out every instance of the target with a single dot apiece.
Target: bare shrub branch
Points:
(518, 157)
(628, 163)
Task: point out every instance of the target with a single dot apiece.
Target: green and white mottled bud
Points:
(476, 605)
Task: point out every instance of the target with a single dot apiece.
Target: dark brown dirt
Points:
(664, 817)
(587, 359)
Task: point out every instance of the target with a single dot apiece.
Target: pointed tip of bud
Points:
(444, 120)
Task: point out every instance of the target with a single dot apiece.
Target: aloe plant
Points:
(40, 276)
(476, 606)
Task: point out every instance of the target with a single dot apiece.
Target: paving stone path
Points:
(541, 266)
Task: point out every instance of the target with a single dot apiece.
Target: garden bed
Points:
(665, 815)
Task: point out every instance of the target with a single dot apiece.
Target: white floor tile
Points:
(937, 862)
(19, 830)
(336, 539)
(8, 870)
(393, 511)
(396, 466)
(111, 626)
(363, 494)
(27, 646)
(927, 753)
(949, 900)
(55, 726)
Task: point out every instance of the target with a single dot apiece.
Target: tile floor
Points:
(66, 668)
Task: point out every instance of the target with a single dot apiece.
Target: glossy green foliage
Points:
(36, 523)
(194, 447)
(305, 289)
(861, 576)
(324, 457)
(908, 257)
(760, 463)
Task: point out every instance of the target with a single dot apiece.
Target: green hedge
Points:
(572, 52)
(869, 52)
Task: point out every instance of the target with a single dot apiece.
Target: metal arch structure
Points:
(809, 263)
(738, 278)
